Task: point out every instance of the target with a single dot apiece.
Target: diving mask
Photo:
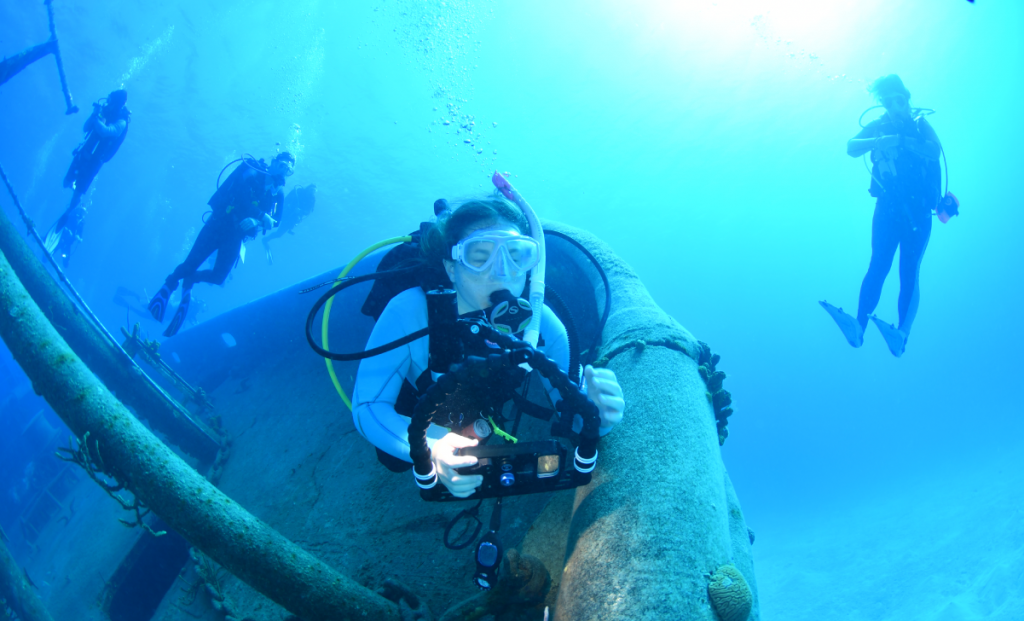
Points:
(286, 164)
(288, 168)
(509, 253)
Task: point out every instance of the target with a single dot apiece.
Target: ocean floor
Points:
(946, 549)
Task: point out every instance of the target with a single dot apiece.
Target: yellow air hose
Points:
(330, 303)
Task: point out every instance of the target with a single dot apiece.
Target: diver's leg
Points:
(227, 254)
(76, 198)
(202, 248)
(212, 240)
(912, 250)
(87, 170)
(884, 241)
(73, 230)
(83, 171)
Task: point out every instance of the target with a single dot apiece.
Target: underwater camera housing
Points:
(508, 470)
(516, 469)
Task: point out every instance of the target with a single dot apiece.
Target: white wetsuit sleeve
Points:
(379, 378)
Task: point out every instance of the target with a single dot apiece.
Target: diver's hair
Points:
(888, 85)
(437, 242)
(118, 98)
(115, 104)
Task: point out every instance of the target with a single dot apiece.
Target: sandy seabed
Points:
(949, 549)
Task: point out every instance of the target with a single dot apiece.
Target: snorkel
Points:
(536, 294)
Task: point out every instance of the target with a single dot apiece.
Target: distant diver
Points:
(301, 201)
(249, 199)
(906, 181)
(105, 131)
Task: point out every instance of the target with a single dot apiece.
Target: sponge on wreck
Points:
(730, 595)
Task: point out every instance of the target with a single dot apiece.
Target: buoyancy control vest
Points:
(244, 195)
(472, 403)
(108, 147)
(909, 178)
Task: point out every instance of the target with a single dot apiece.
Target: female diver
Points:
(484, 246)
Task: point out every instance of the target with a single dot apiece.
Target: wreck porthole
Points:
(146, 574)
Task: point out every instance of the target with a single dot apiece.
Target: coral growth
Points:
(719, 398)
(209, 580)
(730, 595)
(92, 462)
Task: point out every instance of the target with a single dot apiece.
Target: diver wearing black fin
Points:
(250, 199)
(906, 181)
(105, 131)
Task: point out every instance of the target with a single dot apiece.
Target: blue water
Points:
(705, 143)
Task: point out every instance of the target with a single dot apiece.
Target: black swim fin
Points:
(158, 305)
(179, 315)
(894, 337)
(847, 323)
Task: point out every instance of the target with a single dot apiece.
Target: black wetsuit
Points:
(243, 195)
(907, 189)
(105, 134)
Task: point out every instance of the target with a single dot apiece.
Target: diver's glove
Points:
(442, 453)
(604, 390)
(248, 225)
(268, 223)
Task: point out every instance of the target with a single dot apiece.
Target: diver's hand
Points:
(248, 224)
(887, 143)
(268, 223)
(604, 390)
(446, 461)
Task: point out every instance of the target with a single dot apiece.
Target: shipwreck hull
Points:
(640, 542)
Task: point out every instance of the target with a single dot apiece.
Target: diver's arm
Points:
(868, 139)
(556, 347)
(379, 378)
(863, 141)
(112, 130)
(88, 125)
